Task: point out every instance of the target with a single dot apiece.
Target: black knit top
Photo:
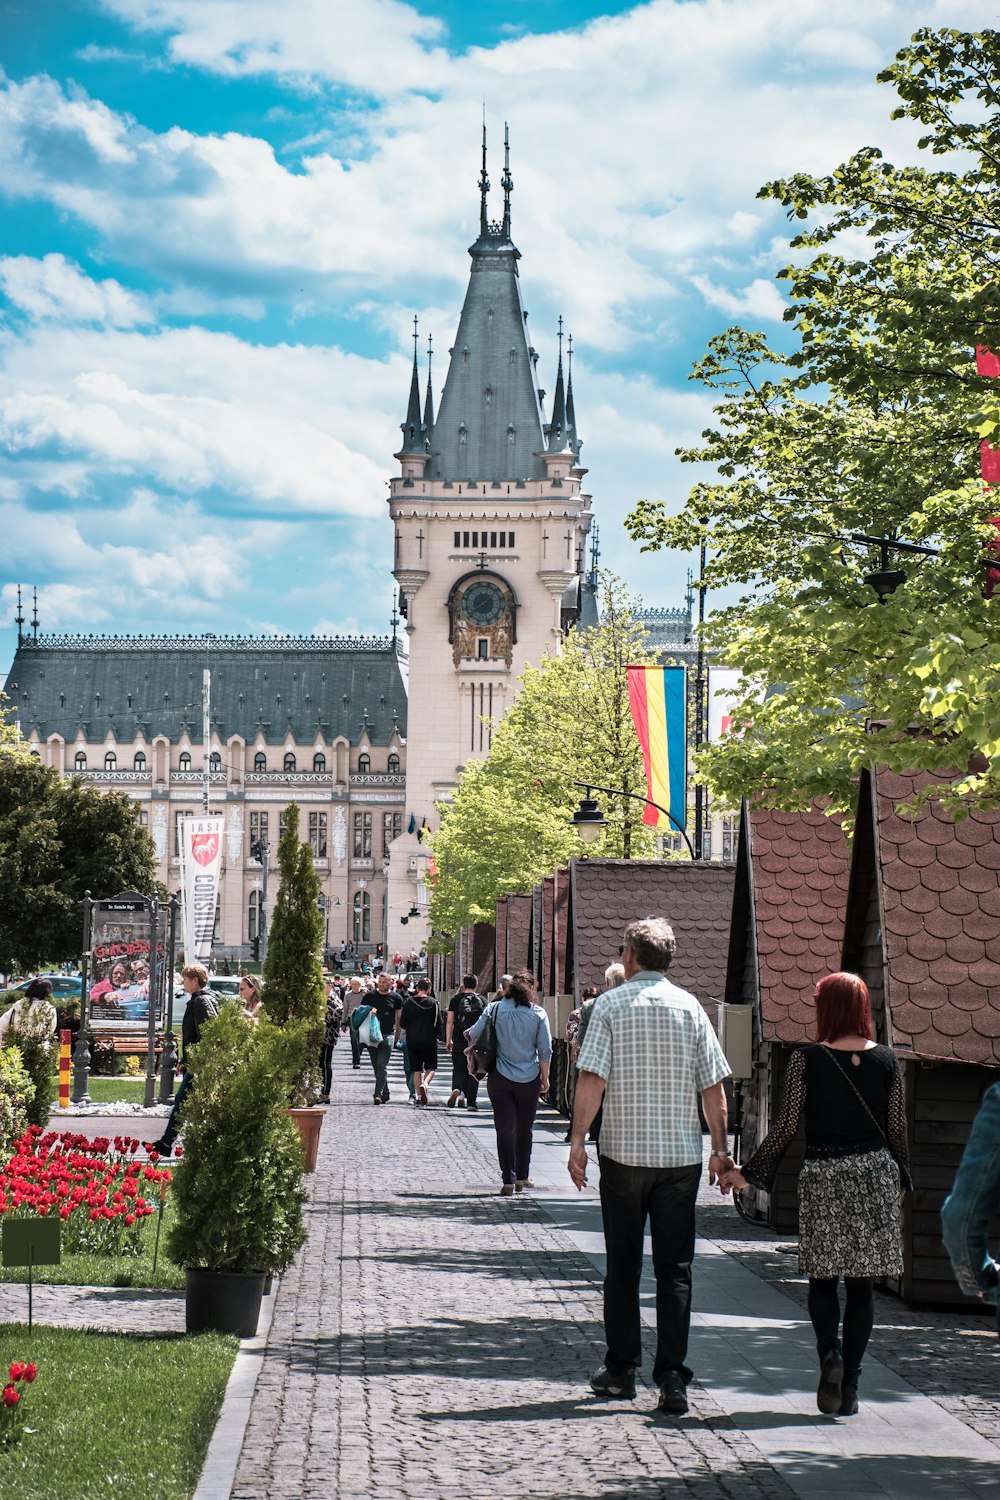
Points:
(819, 1081)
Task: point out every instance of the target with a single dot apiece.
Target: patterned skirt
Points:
(849, 1216)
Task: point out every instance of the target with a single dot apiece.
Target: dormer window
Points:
(184, 761)
(394, 764)
(289, 761)
(139, 763)
(364, 764)
(215, 761)
(260, 761)
(319, 762)
(111, 761)
(80, 763)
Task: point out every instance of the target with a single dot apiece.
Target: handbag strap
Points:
(855, 1091)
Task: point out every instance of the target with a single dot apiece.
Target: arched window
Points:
(111, 761)
(80, 764)
(289, 761)
(139, 764)
(260, 761)
(364, 764)
(319, 762)
(184, 762)
(215, 761)
(253, 916)
(394, 764)
(362, 917)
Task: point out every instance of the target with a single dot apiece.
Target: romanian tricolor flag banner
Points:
(658, 700)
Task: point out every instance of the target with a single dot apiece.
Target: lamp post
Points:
(588, 820)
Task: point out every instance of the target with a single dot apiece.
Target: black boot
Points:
(849, 1393)
(831, 1378)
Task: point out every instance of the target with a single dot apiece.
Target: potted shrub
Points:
(294, 992)
(237, 1189)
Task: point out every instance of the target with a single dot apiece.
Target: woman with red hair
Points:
(850, 1091)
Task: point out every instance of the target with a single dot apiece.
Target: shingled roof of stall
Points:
(938, 898)
(268, 685)
(696, 898)
(788, 915)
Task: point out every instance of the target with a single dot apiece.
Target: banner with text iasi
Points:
(201, 867)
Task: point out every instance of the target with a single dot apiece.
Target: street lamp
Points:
(588, 819)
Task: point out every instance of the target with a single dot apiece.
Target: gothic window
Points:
(184, 761)
(253, 916)
(111, 761)
(258, 827)
(362, 917)
(215, 761)
(392, 827)
(289, 761)
(282, 821)
(362, 835)
(317, 834)
(80, 763)
(139, 763)
(364, 764)
(319, 761)
(260, 761)
(394, 764)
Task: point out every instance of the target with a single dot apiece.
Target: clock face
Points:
(483, 603)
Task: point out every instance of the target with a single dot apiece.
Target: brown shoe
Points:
(507, 1191)
(453, 1098)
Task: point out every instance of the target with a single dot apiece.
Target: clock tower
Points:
(490, 522)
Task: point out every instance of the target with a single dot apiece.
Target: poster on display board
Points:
(121, 986)
(201, 868)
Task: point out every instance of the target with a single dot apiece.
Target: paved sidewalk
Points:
(434, 1341)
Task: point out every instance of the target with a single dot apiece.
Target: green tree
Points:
(510, 820)
(59, 838)
(869, 426)
(294, 993)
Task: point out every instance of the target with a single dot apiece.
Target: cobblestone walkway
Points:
(434, 1341)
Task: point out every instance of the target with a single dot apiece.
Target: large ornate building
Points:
(368, 736)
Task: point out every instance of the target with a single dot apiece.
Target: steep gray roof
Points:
(59, 684)
(490, 423)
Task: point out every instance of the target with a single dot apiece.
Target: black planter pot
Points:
(223, 1301)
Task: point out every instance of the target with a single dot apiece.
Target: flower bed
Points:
(98, 1189)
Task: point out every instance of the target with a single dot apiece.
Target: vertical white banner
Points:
(201, 867)
(722, 695)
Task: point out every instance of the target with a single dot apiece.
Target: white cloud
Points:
(297, 428)
(761, 299)
(54, 288)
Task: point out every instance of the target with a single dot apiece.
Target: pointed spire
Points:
(595, 554)
(34, 613)
(557, 427)
(506, 182)
(574, 441)
(429, 403)
(484, 187)
(413, 433)
(19, 618)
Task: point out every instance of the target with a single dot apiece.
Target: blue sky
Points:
(220, 216)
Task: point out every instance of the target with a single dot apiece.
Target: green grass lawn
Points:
(114, 1414)
(113, 1091)
(109, 1270)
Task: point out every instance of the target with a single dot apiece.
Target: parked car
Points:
(64, 986)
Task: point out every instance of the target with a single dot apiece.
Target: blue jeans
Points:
(974, 1198)
(666, 1197)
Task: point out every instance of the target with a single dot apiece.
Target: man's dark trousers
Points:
(380, 1066)
(666, 1196)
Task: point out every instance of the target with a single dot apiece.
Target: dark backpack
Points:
(472, 1007)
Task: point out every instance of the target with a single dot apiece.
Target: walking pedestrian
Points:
(34, 1012)
(352, 999)
(334, 1017)
(419, 1018)
(972, 1202)
(521, 1074)
(200, 1008)
(648, 1053)
(851, 1093)
(386, 1007)
(467, 1005)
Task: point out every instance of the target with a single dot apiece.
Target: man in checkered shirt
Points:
(649, 1052)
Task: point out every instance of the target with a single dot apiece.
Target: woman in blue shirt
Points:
(524, 1050)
